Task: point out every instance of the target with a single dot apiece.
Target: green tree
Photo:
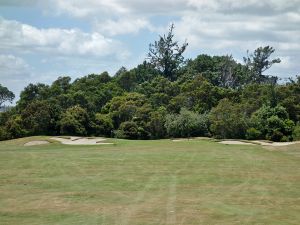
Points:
(145, 72)
(228, 120)
(186, 124)
(40, 117)
(127, 80)
(296, 132)
(124, 108)
(166, 55)
(60, 86)
(33, 92)
(129, 130)
(74, 121)
(14, 127)
(222, 71)
(260, 61)
(103, 125)
(273, 123)
(157, 123)
(5, 95)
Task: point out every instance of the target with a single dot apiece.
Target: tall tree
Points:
(166, 55)
(5, 95)
(260, 61)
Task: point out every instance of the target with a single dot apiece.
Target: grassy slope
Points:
(148, 182)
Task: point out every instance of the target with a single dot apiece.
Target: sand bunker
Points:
(81, 141)
(191, 138)
(32, 143)
(181, 139)
(264, 143)
(235, 143)
(275, 144)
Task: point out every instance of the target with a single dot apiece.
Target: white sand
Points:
(180, 139)
(264, 143)
(32, 143)
(275, 144)
(81, 141)
(235, 143)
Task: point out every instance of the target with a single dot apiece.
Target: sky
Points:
(41, 40)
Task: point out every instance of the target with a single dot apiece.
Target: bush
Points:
(14, 127)
(253, 134)
(296, 132)
(119, 134)
(157, 123)
(3, 134)
(228, 120)
(276, 135)
(273, 123)
(187, 124)
(128, 130)
(278, 129)
(103, 125)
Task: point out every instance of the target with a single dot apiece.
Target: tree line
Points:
(165, 96)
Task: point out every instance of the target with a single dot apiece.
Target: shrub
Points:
(228, 120)
(102, 125)
(187, 124)
(3, 134)
(157, 123)
(273, 123)
(253, 134)
(276, 135)
(296, 132)
(129, 130)
(14, 127)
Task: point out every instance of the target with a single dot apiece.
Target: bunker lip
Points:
(275, 144)
(81, 141)
(258, 142)
(233, 142)
(33, 143)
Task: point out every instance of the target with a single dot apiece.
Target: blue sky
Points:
(41, 40)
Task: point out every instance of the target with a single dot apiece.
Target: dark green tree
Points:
(74, 121)
(5, 95)
(260, 61)
(166, 55)
(33, 92)
(128, 130)
(186, 124)
(228, 120)
(273, 123)
(103, 125)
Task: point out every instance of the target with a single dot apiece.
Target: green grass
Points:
(148, 182)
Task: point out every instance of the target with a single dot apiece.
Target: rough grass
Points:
(148, 182)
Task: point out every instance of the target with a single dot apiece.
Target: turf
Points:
(148, 182)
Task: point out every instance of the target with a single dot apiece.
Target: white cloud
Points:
(12, 67)
(25, 38)
(210, 26)
(122, 26)
(87, 8)
(15, 73)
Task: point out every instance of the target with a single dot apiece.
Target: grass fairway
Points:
(148, 182)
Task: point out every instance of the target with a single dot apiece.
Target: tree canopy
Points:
(166, 54)
(164, 96)
(5, 95)
(259, 61)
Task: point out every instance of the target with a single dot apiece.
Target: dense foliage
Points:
(165, 96)
(5, 95)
